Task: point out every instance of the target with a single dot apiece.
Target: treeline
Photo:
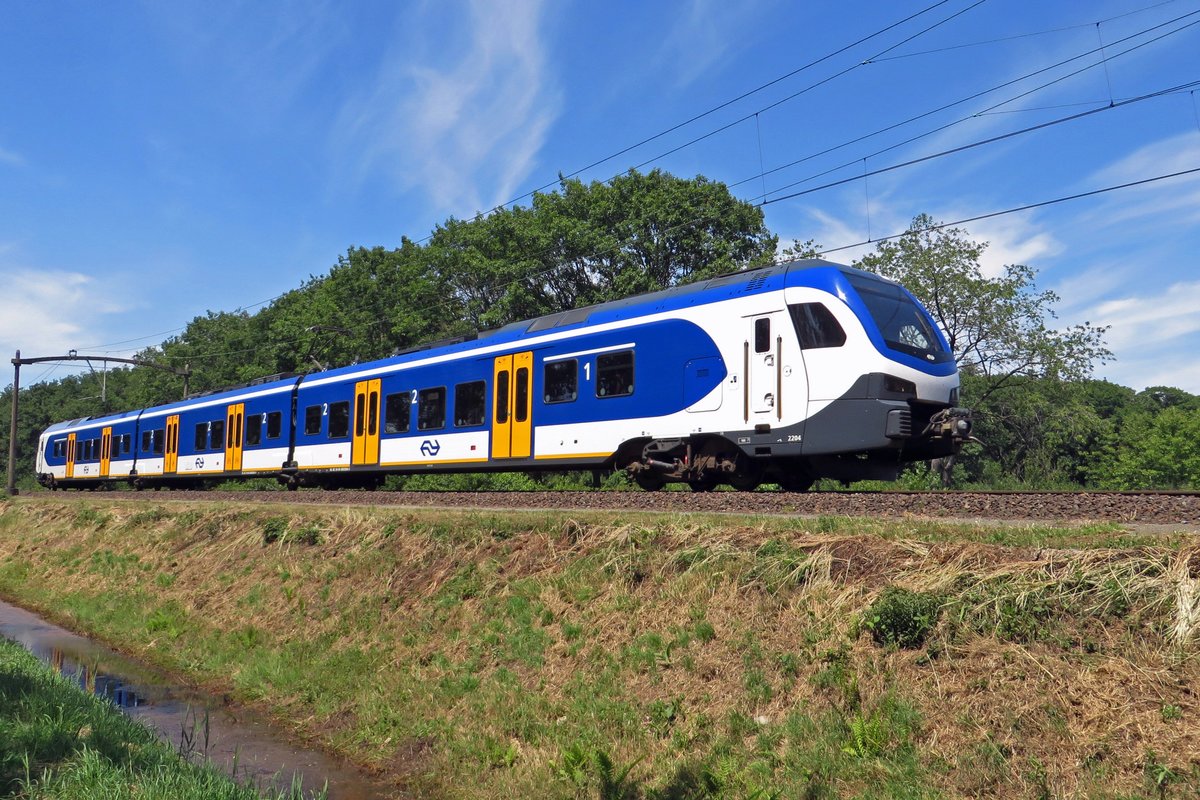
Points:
(1041, 420)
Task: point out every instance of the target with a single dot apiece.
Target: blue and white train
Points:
(782, 374)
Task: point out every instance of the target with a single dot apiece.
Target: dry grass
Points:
(485, 641)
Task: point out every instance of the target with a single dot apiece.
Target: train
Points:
(783, 374)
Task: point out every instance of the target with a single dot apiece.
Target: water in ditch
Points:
(238, 741)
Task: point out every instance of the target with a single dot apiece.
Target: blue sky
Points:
(158, 160)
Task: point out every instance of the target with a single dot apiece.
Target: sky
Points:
(160, 160)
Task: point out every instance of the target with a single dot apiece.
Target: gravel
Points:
(1133, 507)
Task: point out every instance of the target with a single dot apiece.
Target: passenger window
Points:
(216, 439)
(254, 424)
(762, 335)
(431, 409)
(201, 436)
(816, 326)
(562, 381)
(158, 440)
(614, 374)
(339, 419)
(521, 398)
(469, 402)
(126, 440)
(312, 420)
(396, 412)
(147, 441)
(274, 424)
(60, 449)
(502, 397)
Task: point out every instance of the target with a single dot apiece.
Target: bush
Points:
(903, 617)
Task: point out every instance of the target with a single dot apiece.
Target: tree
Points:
(589, 243)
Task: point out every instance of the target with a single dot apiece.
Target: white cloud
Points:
(1011, 240)
(1151, 319)
(466, 132)
(11, 158)
(701, 38)
(48, 312)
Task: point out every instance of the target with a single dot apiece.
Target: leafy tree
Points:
(1156, 450)
(589, 243)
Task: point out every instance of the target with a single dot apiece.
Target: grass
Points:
(58, 742)
(668, 656)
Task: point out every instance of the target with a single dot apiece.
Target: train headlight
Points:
(894, 385)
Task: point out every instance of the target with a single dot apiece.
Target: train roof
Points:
(802, 272)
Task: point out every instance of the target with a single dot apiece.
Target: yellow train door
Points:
(234, 422)
(366, 423)
(70, 455)
(105, 451)
(512, 424)
(171, 446)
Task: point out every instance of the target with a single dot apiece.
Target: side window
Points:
(562, 381)
(60, 449)
(762, 335)
(339, 419)
(158, 440)
(312, 420)
(147, 441)
(614, 374)
(201, 440)
(816, 326)
(254, 425)
(87, 450)
(396, 412)
(501, 407)
(126, 440)
(431, 409)
(469, 402)
(521, 395)
(216, 439)
(274, 424)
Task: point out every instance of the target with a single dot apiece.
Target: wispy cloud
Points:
(464, 129)
(702, 36)
(11, 158)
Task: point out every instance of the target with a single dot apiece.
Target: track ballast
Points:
(1155, 508)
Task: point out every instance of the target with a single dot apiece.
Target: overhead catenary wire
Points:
(1026, 35)
(974, 96)
(1027, 207)
(980, 143)
(697, 117)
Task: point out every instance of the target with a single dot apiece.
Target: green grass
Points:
(58, 742)
(650, 656)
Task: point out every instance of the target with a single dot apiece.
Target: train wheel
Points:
(705, 484)
(745, 483)
(649, 483)
(795, 482)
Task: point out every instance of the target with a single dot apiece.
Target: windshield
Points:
(904, 325)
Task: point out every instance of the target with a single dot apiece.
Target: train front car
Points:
(830, 372)
(883, 387)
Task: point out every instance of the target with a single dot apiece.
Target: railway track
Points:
(1148, 508)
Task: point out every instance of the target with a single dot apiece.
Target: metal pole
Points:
(11, 488)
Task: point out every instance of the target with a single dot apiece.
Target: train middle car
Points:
(786, 374)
